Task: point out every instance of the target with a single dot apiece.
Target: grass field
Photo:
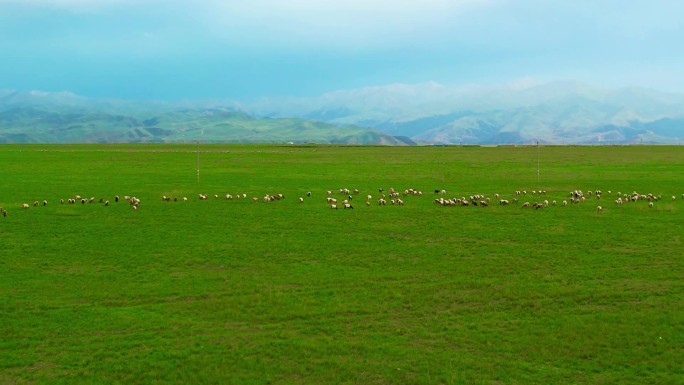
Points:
(221, 292)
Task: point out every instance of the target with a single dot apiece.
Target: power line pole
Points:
(198, 164)
(537, 163)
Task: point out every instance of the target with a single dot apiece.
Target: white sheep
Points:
(25, 206)
(599, 208)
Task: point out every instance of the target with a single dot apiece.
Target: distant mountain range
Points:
(558, 112)
(39, 117)
(397, 114)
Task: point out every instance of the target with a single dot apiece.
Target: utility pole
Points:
(537, 163)
(198, 164)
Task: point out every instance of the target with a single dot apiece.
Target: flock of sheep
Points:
(345, 198)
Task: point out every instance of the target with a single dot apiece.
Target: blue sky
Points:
(211, 49)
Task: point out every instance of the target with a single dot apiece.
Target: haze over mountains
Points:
(558, 112)
(396, 114)
(41, 117)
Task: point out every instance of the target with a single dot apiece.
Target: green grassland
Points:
(231, 291)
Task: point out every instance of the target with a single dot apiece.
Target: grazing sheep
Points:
(526, 204)
(216, 196)
(369, 197)
(400, 202)
(599, 208)
(674, 197)
(61, 201)
(334, 207)
(553, 203)
(185, 199)
(44, 203)
(537, 206)
(301, 200)
(135, 208)
(25, 206)
(4, 213)
(116, 198)
(348, 206)
(382, 202)
(255, 199)
(367, 203)
(565, 203)
(106, 203)
(175, 199)
(35, 204)
(308, 193)
(650, 204)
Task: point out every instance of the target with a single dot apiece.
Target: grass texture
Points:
(224, 291)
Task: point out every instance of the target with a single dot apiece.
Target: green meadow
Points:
(224, 291)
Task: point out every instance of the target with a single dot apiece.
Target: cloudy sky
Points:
(244, 49)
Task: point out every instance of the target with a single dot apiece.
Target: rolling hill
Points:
(39, 117)
(558, 112)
